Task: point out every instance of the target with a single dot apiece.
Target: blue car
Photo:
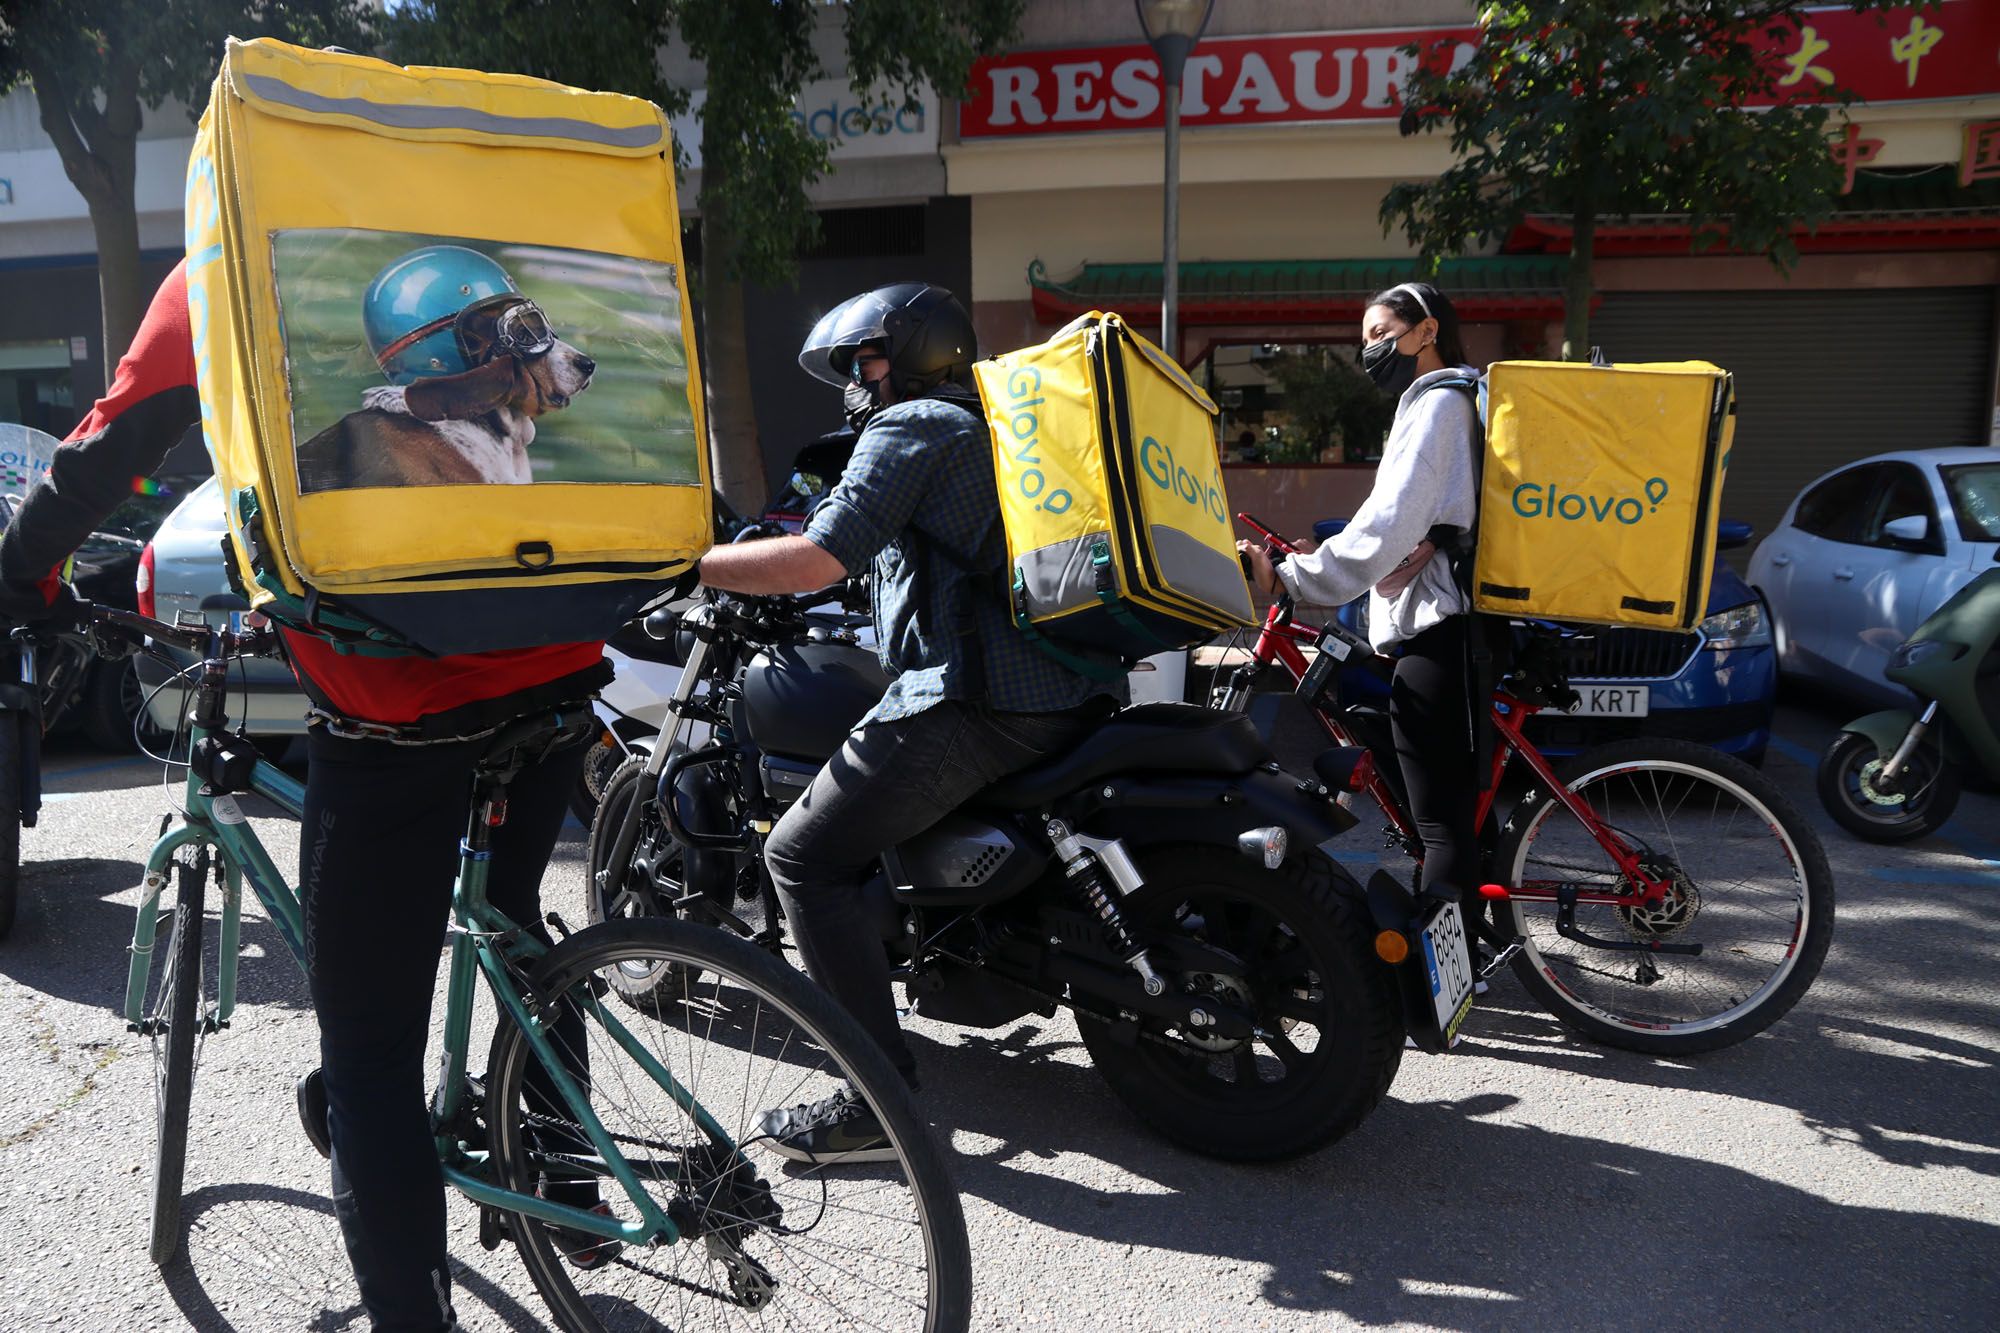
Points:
(1716, 685)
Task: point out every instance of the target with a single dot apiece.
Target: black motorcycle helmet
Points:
(922, 330)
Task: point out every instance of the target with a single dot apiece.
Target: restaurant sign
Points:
(1945, 51)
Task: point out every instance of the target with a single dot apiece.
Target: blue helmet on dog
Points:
(410, 310)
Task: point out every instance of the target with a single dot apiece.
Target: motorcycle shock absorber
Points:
(1087, 872)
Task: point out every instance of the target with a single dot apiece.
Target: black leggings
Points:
(1434, 743)
(378, 854)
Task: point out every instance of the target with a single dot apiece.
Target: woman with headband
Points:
(1416, 610)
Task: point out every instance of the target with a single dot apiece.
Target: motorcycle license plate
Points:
(1448, 959)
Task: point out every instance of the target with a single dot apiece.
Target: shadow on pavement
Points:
(71, 939)
(259, 1257)
(1397, 1222)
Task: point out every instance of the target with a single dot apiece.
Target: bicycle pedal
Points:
(493, 1228)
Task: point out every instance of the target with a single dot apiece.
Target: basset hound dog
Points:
(473, 427)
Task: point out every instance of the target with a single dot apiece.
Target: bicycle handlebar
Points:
(204, 639)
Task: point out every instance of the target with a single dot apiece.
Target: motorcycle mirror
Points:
(662, 623)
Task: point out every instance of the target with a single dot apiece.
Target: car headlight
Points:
(1742, 626)
(1922, 651)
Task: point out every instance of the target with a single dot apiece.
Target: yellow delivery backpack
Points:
(1110, 481)
(444, 350)
(1601, 490)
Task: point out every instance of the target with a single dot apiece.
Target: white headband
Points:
(1422, 304)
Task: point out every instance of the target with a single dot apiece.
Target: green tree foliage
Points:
(758, 161)
(1585, 110)
(1327, 402)
(97, 65)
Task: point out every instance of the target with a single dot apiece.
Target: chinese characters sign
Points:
(1945, 51)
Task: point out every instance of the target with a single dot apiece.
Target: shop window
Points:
(35, 387)
(1296, 403)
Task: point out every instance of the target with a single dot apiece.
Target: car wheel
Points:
(113, 701)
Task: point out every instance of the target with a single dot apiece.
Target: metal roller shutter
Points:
(1822, 377)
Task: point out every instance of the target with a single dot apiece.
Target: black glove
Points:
(26, 605)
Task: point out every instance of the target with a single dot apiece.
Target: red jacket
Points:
(151, 403)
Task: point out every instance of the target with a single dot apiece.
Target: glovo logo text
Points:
(1533, 500)
(1024, 430)
(1156, 460)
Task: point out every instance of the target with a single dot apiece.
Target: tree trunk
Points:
(1578, 288)
(121, 288)
(99, 152)
(736, 461)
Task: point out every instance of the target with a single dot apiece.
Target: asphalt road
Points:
(1836, 1172)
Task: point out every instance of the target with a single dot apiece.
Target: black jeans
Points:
(890, 781)
(1433, 732)
(378, 854)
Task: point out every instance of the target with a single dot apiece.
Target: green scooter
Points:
(1894, 776)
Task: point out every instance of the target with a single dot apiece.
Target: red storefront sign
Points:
(1945, 51)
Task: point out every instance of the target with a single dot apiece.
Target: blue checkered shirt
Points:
(921, 479)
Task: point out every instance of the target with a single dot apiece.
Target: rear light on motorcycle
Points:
(1264, 844)
(1392, 946)
(142, 583)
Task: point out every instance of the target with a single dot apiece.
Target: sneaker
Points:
(583, 1250)
(310, 1092)
(839, 1128)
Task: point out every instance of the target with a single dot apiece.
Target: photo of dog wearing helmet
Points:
(419, 361)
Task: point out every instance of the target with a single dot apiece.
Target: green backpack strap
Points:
(1114, 605)
(1096, 671)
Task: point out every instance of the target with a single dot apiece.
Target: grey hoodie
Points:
(1425, 478)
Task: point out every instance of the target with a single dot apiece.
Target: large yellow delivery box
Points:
(1110, 480)
(1601, 491)
(444, 348)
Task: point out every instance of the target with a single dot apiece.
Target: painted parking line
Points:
(1985, 874)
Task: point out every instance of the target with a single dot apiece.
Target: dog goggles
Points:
(507, 324)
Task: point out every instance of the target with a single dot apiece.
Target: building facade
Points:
(1290, 140)
(1038, 196)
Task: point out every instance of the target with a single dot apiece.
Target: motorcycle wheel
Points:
(1308, 974)
(646, 888)
(598, 766)
(1847, 773)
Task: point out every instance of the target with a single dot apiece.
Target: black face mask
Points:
(859, 402)
(1390, 370)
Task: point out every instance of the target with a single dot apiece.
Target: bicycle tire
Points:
(1555, 979)
(179, 1010)
(10, 819)
(720, 960)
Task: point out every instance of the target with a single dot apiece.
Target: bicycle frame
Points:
(483, 941)
(1280, 640)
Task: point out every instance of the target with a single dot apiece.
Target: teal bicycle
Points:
(613, 1143)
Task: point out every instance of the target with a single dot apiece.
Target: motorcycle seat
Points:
(1156, 738)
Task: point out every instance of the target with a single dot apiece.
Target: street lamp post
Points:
(1173, 27)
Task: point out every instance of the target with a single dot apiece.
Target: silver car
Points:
(1867, 552)
(180, 568)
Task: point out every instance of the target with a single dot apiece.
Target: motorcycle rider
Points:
(379, 841)
(970, 699)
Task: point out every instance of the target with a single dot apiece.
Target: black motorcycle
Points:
(1164, 880)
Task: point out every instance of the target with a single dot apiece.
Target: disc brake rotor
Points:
(1672, 914)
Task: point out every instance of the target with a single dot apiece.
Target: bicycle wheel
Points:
(10, 818)
(1749, 883)
(764, 1242)
(174, 1022)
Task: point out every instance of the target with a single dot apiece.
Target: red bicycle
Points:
(1655, 895)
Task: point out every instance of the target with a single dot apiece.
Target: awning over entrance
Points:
(1317, 291)
(1925, 210)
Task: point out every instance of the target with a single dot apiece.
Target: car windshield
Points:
(1975, 498)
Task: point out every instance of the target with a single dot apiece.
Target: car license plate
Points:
(1612, 701)
(1448, 958)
